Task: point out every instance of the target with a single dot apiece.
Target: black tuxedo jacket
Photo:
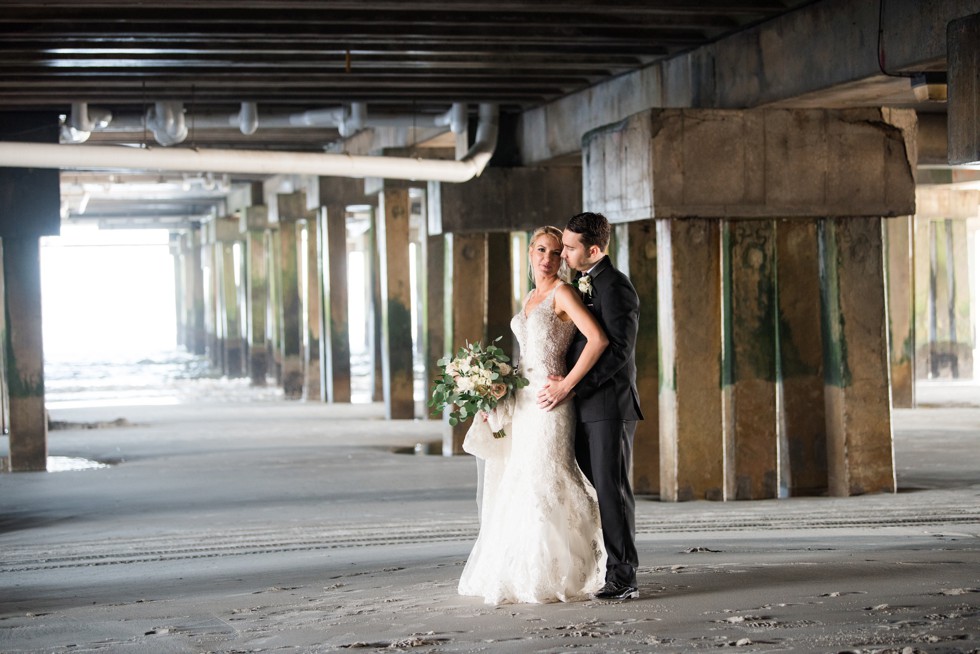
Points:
(608, 390)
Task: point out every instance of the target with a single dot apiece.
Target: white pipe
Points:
(248, 118)
(106, 157)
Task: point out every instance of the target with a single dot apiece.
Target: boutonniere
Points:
(585, 285)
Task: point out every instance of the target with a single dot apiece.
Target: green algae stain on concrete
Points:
(399, 327)
(836, 370)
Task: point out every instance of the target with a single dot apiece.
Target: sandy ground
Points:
(244, 523)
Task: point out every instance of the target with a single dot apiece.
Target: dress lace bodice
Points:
(543, 338)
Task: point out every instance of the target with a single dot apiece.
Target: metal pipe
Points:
(104, 157)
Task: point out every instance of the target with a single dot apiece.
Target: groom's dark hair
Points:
(592, 227)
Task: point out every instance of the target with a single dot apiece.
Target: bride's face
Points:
(545, 256)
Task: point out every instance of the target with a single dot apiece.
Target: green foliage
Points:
(475, 380)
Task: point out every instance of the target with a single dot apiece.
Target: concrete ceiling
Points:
(407, 60)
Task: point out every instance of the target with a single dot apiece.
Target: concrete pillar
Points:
(433, 309)
(227, 268)
(273, 316)
(642, 243)
(689, 331)
(963, 62)
(311, 270)
(499, 294)
(465, 309)
(803, 428)
(180, 308)
(292, 209)
(943, 322)
(901, 322)
(749, 353)
(210, 296)
(254, 223)
(4, 391)
(336, 342)
(852, 297)
(194, 276)
(377, 384)
(394, 209)
(25, 357)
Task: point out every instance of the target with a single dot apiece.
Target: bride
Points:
(540, 539)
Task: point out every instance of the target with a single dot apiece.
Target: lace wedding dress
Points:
(540, 539)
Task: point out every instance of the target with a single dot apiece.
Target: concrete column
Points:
(689, 332)
(194, 291)
(254, 223)
(433, 309)
(803, 429)
(314, 389)
(499, 294)
(901, 322)
(465, 309)
(210, 296)
(24, 354)
(227, 236)
(4, 391)
(642, 243)
(292, 208)
(749, 359)
(852, 298)
(180, 306)
(963, 62)
(375, 313)
(336, 343)
(273, 316)
(396, 301)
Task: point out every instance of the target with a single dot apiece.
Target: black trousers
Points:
(604, 451)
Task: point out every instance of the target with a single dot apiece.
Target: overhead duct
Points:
(104, 157)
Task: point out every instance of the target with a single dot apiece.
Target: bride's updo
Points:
(564, 272)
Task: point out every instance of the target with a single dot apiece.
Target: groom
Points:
(606, 399)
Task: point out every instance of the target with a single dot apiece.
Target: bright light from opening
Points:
(107, 294)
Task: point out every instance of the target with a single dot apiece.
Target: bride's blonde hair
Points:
(564, 272)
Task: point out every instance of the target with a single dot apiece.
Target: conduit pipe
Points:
(258, 162)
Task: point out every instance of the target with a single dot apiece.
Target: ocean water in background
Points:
(152, 378)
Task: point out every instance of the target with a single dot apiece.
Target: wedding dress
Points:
(540, 539)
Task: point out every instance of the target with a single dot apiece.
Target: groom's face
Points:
(576, 255)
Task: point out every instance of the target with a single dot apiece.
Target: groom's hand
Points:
(552, 394)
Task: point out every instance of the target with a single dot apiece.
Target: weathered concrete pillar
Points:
(213, 324)
(692, 167)
(313, 322)
(336, 343)
(24, 354)
(434, 319)
(944, 335)
(194, 292)
(30, 204)
(692, 462)
(273, 316)
(180, 308)
(854, 328)
(394, 208)
(227, 237)
(803, 428)
(963, 61)
(254, 223)
(292, 209)
(901, 321)
(642, 243)
(500, 303)
(377, 384)
(465, 309)
(749, 354)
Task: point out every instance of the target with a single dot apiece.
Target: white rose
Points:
(465, 384)
(503, 368)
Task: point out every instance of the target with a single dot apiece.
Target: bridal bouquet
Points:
(477, 379)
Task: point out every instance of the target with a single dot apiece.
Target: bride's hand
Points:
(553, 393)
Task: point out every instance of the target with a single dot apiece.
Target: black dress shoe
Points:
(616, 591)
